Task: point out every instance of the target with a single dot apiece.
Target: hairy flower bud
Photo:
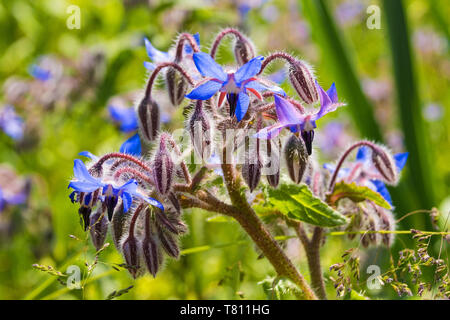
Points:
(164, 222)
(130, 250)
(152, 254)
(149, 118)
(387, 223)
(251, 170)
(296, 158)
(168, 243)
(243, 51)
(117, 225)
(199, 126)
(385, 164)
(303, 81)
(98, 228)
(163, 168)
(273, 155)
(176, 86)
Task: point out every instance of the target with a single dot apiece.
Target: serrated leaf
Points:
(298, 203)
(357, 194)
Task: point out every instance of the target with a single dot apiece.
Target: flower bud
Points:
(243, 51)
(149, 118)
(130, 250)
(175, 202)
(164, 222)
(387, 223)
(153, 257)
(168, 243)
(274, 160)
(163, 168)
(176, 86)
(117, 225)
(99, 228)
(85, 213)
(251, 172)
(385, 164)
(303, 81)
(200, 130)
(296, 158)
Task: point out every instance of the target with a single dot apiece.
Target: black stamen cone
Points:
(111, 203)
(232, 101)
(308, 137)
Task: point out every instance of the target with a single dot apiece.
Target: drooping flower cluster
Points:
(141, 197)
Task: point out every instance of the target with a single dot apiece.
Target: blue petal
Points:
(81, 173)
(208, 67)
(127, 200)
(362, 154)
(258, 86)
(129, 186)
(400, 160)
(84, 186)
(154, 54)
(125, 116)
(248, 70)
(382, 190)
(197, 38)
(132, 146)
(150, 66)
(242, 105)
(72, 196)
(154, 202)
(205, 91)
(332, 93)
(88, 154)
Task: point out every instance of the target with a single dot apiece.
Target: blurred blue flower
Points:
(39, 73)
(132, 145)
(157, 56)
(232, 85)
(363, 172)
(125, 116)
(11, 123)
(15, 199)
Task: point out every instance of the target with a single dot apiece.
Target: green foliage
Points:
(298, 203)
(355, 193)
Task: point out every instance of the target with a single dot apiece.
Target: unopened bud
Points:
(117, 225)
(303, 81)
(85, 213)
(176, 86)
(163, 168)
(98, 228)
(251, 170)
(149, 118)
(168, 243)
(243, 51)
(151, 253)
(385, 164)
(164, 222)
(130, 250)
(274, 160)
(296, 158)
(200, 130)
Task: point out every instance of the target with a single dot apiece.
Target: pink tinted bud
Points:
(149, 118)
(303, 81)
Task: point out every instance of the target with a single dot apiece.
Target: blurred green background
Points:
(394, 79)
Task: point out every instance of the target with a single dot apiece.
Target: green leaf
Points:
(298, 203)
(357, 194)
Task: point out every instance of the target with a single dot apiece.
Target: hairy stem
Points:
(222, 34)
(254, 227)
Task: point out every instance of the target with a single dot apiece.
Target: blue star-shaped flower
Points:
(125, 116)
(235, 86)
(11, 123)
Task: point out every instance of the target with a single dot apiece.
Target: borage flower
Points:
(89, 189)
(364, 173)
(126, 117)
(157, 56)
(235, 85)
(11, 123)
(292, 118)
